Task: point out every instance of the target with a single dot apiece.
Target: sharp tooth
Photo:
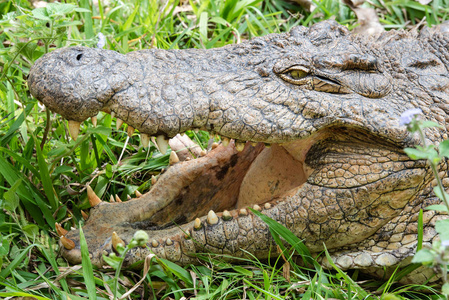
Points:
(214, 145)
(243, 212)
(118, 123)
(173, 158)
(154, 243)
(128, 197)
(203, 153)
(74, 128)
(212, 218)
(112, 114)
(130, 131)
(267, 205)
(145, 140)
(153, 179)
(84, 215)
(168, 242)
(239, 146)
(93, 198)
(162, 143)
(225, 141)
(111, 199)
(138, 194)
(257, 207)
(60, 230)
(67, 243)
(187, 235)
(94, 121)
(197, 224)
(116, 240)
(226, 216)
(117, 198)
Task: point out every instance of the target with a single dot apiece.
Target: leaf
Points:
(424, 256)
(88, 272)
(177, 270)
(289, 237)
(437, 207)
(442, 227)
(31, 230)
(59, 9)
(45, 177)
(439, 192)
(429, 124)
(113, 261)
(4, 245)
(445, 288)
(11, 198)
(444, 148)
(41, 14)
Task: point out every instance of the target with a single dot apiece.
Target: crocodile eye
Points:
(298, 74)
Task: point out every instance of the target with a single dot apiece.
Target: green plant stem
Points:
(47, 128)
(434, 167)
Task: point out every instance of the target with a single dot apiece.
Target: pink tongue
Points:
(272, 173)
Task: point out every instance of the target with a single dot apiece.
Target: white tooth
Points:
(197, 224)
(203, 153)
(267, 205)
(162, 143)
(130, 131)
(225, 141)
(239, 146)
(257, 207)
(94, 121)
(173, 158)
(243, 212)
(154, 243)
(145, 140)
(111, 199)
(117, 198)
(226, 216)
(212, 218)
(118, 123)
(74, 128)
(112, 114)
(128, 197)
(153, 179)
(214, 145)
(138, 194)
(168, 242)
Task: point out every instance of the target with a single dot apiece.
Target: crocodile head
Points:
(328, 102)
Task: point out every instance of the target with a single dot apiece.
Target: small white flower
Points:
(101, 40)
(407, 116)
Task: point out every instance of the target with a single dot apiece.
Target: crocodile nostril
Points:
(79, 56)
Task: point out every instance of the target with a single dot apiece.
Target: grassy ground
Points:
(43, 173)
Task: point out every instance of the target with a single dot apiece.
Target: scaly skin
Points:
(330, 104)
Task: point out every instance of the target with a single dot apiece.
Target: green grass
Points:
(43, 172)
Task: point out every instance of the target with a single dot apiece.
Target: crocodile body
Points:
(328, 102)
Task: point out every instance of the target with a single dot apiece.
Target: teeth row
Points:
(212, 219)
(161, 142)
(94, 200)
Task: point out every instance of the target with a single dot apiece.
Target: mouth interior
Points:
(261, 174)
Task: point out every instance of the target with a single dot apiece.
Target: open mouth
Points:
(327, 180)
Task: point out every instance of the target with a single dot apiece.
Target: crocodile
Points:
(311, 137)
